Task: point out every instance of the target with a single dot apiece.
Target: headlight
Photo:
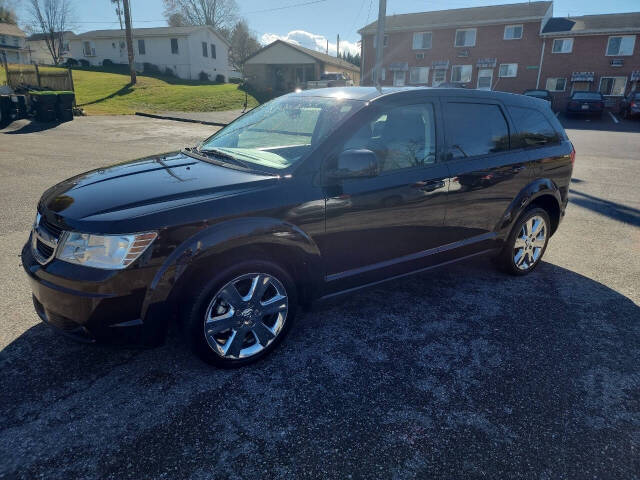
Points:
(110, 252)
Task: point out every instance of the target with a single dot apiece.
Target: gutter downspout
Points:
(540, 66)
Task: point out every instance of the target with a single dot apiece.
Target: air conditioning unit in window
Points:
(419, 56)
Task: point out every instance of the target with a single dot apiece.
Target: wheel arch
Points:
(222, 244)
(542, 192)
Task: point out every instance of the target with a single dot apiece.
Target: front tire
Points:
(526, 243)
(241, 314)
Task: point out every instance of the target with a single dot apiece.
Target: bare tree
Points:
(8, 12)
(118, 11)
(176, 20)
(243, 45)
(217, 13)
(51, 18)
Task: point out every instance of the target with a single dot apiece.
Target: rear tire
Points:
(526, 243)
(241, 314)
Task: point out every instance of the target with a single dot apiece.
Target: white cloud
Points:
(312, 41)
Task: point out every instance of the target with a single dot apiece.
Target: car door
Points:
(373, 225)
(486, 174)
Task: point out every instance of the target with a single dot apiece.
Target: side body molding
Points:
(270, 235)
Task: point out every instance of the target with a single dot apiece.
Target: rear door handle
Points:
(429, 185)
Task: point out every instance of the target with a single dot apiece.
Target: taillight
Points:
(633, 104)
(573, 154)
(573, 104)
(601, 104)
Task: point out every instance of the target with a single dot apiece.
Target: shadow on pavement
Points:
(614, 210)
(445, 374)
(23, 126)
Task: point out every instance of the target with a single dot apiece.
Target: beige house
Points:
(12, 44)
(39, 52)
(282, 67)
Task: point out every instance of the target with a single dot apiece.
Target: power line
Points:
(286, 6)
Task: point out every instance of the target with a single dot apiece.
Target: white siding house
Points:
(187, 51)
(12, 44)
(39, 52)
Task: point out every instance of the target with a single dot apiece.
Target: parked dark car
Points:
(630, 105)
(586, 103)
(542, 94)
(308, 196)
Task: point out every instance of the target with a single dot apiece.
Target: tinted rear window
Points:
(534, 129)
(587, 96)
(475, 129)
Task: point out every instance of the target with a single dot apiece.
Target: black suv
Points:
(310, 195)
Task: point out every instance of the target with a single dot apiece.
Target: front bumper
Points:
(93, 305)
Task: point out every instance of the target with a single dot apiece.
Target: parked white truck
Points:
(330, 79)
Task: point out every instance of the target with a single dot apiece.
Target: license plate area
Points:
(585, 106)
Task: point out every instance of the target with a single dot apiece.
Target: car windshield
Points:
(536, 93)
(282, 132)
(587, 96)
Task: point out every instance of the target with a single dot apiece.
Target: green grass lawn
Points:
(101, 93)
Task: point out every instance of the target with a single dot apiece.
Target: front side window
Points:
(141, 47)
(534, 130)
(621, 46)
(556, 84)
(513, 32)
(422, 40)
(461, 73)
(465, 37)
(613, 86)
(282, 132)
(475, 129)
(419, 75)
(174, 46)
(205, 49)
(508, 70)
(401, 137)
(562, 45)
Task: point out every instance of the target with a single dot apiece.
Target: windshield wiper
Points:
(226, 156)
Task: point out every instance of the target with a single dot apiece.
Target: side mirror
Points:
(361, 163)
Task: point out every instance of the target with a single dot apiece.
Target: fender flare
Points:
(537, 188)
(203, 247)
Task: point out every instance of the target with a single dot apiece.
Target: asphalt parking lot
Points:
(457, 373)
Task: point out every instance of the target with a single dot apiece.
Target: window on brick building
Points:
(562, 45)
(613, 86)
(465, 37)
(418, 74)
(461, 73)
(508, 70)
(621, 46)
(421, 40)
(556, 84)
(513, 32)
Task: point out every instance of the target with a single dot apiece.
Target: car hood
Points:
(142, 187)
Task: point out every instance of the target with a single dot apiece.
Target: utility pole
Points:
(338, 47)
(127, 23)
(382, 13)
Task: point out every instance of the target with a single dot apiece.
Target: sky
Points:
(311, 22)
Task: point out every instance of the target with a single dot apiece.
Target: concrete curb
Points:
(179, 119)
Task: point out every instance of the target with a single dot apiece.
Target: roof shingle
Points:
(463, 16)
(11, 29)
(614, 22)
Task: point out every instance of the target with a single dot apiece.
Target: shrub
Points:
(150, 68)
(219, 78)
(84, 63)
(169, 72)
(237, 80)
(71, 62)
(203, 76)
(107, 63)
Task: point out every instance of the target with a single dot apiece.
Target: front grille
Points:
(45, 250)
(49, 227)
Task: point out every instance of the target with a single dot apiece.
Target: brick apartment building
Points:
(509, 48)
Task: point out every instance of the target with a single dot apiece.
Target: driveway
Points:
(459, 373)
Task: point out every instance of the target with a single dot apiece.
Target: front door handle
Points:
(429, 185)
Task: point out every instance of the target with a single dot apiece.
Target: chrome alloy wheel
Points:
(246, 315)
(530, 242)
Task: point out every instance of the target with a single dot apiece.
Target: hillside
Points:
(103, 93)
